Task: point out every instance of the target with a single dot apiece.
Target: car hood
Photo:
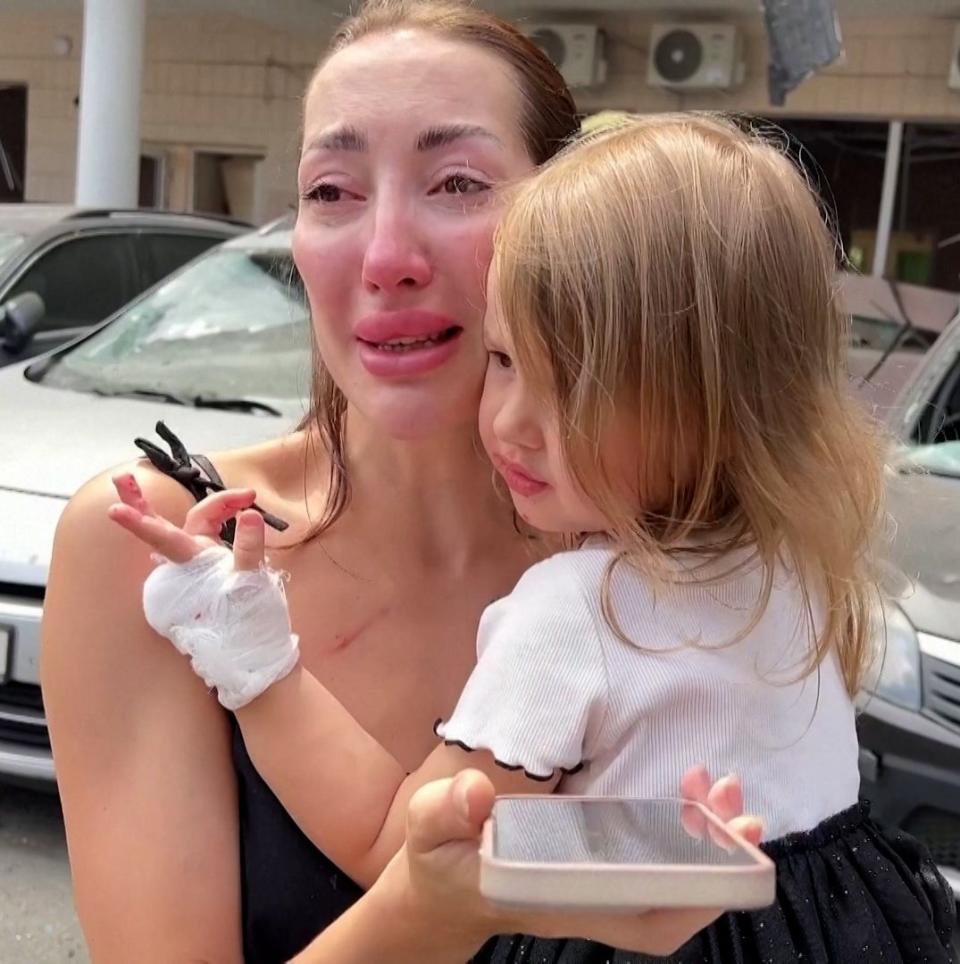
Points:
(926, 509)
(59, 439)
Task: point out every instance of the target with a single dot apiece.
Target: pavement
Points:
(38, 924)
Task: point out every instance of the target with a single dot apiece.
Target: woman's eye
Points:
(461, 184)
(501, 359)
(325, 193)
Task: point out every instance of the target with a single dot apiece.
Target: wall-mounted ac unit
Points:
(576, 49)
(953, 78)
(694, 56)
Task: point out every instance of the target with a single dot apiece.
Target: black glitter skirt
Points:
(848, 892)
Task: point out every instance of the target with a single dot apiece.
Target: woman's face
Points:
(405, 135)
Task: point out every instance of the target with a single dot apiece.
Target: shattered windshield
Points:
(232, 324)
(940, 459)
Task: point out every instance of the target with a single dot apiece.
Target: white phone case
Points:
(630, 888)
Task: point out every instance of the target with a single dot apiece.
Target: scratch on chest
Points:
(343, 640)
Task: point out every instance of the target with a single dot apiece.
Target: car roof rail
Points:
(82, 213)
(283, 223)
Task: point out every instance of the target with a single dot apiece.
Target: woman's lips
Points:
(518, 479)
(406, 343)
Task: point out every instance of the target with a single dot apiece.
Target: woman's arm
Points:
(142, 752)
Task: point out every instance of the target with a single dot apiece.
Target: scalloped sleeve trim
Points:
(513, 767)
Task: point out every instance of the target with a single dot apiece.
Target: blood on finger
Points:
(120, 512)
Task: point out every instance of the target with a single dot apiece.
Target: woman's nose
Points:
(394, 256)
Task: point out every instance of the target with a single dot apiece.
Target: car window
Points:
(233, 323)
(162, 254)
(9, 242)
(81, 281)
(939, 420)
(940, 459)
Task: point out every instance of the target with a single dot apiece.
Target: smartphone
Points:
(613, 854)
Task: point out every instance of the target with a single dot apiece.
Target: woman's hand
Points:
(431, 886)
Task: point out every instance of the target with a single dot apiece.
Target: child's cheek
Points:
(489, 406)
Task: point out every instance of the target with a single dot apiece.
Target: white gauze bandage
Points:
(234, 626)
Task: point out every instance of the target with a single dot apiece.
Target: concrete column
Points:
(888, 193)
(108, 149)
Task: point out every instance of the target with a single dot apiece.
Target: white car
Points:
(219, 351)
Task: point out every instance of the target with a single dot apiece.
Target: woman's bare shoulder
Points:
(86, 512)
(273, 468)
(130, 722)
(286, 473)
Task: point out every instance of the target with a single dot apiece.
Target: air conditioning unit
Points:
(694, 56)
(953, 78)
(575, 48)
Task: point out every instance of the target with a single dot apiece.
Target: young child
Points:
(666, 389)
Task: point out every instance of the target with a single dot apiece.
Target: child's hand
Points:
(724, 798)
(223, 609)
(432, 883)
(201, 528)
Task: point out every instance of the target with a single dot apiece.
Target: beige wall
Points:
(210, 82)
(230, 84)
(894, 68)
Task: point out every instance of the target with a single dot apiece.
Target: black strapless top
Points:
(290, 890)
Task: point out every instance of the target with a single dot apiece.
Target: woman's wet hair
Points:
(548, 121)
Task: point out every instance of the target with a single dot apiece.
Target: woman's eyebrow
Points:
(340, 138)
(443, 135)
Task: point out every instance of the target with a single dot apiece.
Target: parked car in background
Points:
(219, 351)
(910, 721)
(893, 325)
(65, 269)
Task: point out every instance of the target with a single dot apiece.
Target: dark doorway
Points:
(13, 140)
(845, 161)
(151, 181)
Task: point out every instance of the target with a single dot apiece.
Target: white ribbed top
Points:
(555, 687)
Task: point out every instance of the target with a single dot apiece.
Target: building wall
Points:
(894, 67)
(217, 82)
(225, 83)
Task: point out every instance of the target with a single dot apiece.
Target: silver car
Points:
(65, 269)
(910, 723)
(219, 351)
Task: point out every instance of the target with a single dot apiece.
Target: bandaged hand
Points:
(234, 626)
(225, 610)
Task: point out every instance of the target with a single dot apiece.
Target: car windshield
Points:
(940, 459)
(233, 324)
(9, 242)
(879, 334)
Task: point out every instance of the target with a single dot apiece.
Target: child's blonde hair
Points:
(679, 268)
